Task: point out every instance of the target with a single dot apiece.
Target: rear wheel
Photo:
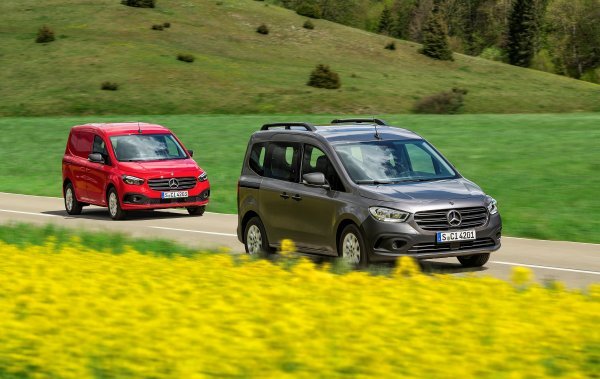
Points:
(352, 248)
(475, 260)
(255, 237)
(196, 211)
(114, 205)
(72, 206)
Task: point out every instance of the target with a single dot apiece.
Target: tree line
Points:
(559, 36)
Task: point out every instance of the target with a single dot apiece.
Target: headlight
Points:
(388, 214)
(492, 206)
(203, 177)
(133, 180)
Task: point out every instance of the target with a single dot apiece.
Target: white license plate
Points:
(174, 195)
(463, 235)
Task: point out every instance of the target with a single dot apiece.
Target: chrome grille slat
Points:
(437, 220)
(163, 184)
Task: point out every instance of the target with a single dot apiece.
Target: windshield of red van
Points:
(147, 147)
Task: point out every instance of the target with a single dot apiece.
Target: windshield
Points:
(385, 162)
(147, 147)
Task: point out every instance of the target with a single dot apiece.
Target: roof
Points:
(120, 128)
(339, 132)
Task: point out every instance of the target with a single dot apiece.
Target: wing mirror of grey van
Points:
(315, 179)
(191, 153)
(96, 158)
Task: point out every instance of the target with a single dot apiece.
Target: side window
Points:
(282, 161)
(80, 144)
(315, 160)
(100, 148)
(257, 158)
(420, 160)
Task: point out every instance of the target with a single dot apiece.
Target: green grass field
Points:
(238, 70)
(543, 169)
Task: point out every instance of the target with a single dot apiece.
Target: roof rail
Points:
(377, 121)
(289, 125)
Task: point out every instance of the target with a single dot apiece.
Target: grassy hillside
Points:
(238, 70)
(543, 169)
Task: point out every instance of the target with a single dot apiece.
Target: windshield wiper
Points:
(376, 182)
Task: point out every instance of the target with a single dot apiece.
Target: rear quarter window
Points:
(80, 144)
(257, 158)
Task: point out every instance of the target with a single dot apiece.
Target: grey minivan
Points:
(361, 190)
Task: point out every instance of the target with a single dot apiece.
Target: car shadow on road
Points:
(101, 214)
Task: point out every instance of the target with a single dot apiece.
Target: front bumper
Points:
(388, 241)
(144, 198)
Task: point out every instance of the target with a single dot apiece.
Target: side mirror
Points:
(96, 158)
(191, 153)
(315, 179)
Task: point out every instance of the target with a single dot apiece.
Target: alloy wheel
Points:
(69, 199)
(254, 240)
(351, 249)
(112, 204)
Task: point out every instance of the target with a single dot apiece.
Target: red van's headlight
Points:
(128, 179)
(203, 177)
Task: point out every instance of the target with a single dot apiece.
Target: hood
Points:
(176, 168)
(439, 191)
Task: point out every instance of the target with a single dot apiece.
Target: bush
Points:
(323, 77)
(109, 86)
(262, 29)
(449, 102)
(167, 25)
(391, 46)
(157, 27)
(493, 53)
(309, 10)
(139, 3)
(308, 24)
(186, 58)
(45, 34)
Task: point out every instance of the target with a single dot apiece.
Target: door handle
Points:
(284, 195)
(297, 197)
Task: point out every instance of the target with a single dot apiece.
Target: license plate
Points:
(174, 195)
(463, 235)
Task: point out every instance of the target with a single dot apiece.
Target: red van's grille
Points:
(172, 184)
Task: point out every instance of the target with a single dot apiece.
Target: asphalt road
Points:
(575, 264)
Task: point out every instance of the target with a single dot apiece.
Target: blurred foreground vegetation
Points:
(71, 311)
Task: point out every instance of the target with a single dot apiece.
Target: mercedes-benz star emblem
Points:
(173, 183)
(454, 218)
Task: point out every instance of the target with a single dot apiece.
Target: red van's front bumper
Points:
(143, 197)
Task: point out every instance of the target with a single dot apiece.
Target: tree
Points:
(574, 35)
(522, 29)
(386, 22)
(435, 39)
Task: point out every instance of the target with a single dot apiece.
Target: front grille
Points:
(163, 184)
(432, 247)
(438, 220)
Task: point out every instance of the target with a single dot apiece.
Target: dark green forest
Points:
(558, 36)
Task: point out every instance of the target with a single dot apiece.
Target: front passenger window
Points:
(99, 147)
(315, 160)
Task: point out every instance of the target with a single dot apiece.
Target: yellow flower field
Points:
(77, 313)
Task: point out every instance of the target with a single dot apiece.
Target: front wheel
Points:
(72, 206)
(196, 211)
(255, 237)
(475, 260)
(352, 248)
(114, 205)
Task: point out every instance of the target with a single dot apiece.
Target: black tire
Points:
(475, 260)
(72, 206)
(115, 210)
(196, 211)
(252, 246)
(352, 243)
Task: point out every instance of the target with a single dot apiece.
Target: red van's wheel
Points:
(72, 206)
(114, 205)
